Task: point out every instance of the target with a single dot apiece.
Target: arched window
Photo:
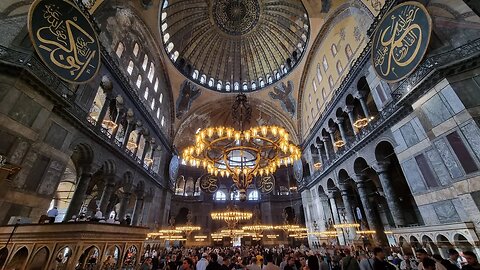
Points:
(318, 104)
(334, 50)
(314, 84)
(254, 86)
(152, 106)
(253, 195)
(219, 85)
(164, 27)
(136, 48)
(269, 79)
(139, 81)
(236, 86)
(145, 95)
(319, 74)
(348, 51)
(162, 122)
(325, 63)
(220, 196)
(262, 83)
(210, 82)
(120, 49)
(339, 67)
(170, 47)
(309, 98)
(245, 87)
(277, 75)
(166, 37)
(330, 82)
(227, 86)
(130, 67)
(145, 62)
(158, 113)
(195, 74)
(155, 87)
(160, 99)
(175, 56)
(323, 93)
(203, 79)
(311, 112)
(151, 72)
(235, 195)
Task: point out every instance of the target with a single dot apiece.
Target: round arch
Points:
(19, 259)
(39, 259)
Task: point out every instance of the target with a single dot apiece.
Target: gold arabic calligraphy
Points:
(70, 46)
(400, 42)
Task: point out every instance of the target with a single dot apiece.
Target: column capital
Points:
(360, 94)
(349, 108)
(325, 139)
(381, 166)
(361, 178)
(331, 194)
(338, 120)
(331, 130)
(106, 84)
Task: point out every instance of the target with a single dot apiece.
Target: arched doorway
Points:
(62, 258)
(443, 245)
(65, 190)
(111, 258)
(428, 244)
(18, 260)
(462, 243)
(40, 259)
(130, 258)
(89, 258)
(3, 256)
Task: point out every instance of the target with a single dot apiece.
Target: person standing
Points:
(379, 262)
(147, 264)
(422, 255)
(52, 214)
(349, 262)
(408, 263)
(202, 263)
(453, 258)
(290, 264)
(213, 264)
(270, 265)
(472, 261)
(187, 264)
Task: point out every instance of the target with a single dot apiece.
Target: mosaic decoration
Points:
(401, 41)
(236, 17)
(284, 93)
(173, 168)
(188, 93)
(298, 170)
(64, 40)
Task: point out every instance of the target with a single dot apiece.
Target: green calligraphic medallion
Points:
(64, 39)
(401, 41)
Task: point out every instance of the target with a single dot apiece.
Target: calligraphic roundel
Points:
(401, 41)
(208, 183)
(64, 40)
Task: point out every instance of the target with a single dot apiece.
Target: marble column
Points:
(351, 117)
(362, 192)
(129, 128)
(152, 153)
(107, 86)
(137, 211)
(341, 128)
(331, 131)
(145, 149)
(119, 103)
(327, 211)
(325, 145)
(137, 142)
(333, 205)
(390, 195)
(123, 205)
(107, 194)
(363, 103)
(347, 204)
(80, 192)
(320, 156)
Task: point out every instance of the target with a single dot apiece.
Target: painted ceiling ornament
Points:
(284, 93)
(326, 4)
(188, 93)
(233, 45)
(401, 41)
(209, 183)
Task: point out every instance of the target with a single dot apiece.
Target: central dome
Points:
(234, 45)
(236, 17)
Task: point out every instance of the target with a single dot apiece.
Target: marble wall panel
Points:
(472, 134)
(428, 214)
(413, 176)
(6, 142)
(56, 135)
(450, 98)
(25, 110)
(419, 130)
(409, 134)
(436, 111)
(52, 177)
(446, 212)
(36, 173)
(448, 158)
(401, 144)
(437, 164)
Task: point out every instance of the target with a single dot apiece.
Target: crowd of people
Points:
(259, 258)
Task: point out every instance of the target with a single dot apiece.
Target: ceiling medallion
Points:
(236, 17)
(242, 153)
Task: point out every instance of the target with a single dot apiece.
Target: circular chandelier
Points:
(242, 153)
(231, 216)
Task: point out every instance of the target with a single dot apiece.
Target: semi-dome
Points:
(239, 45)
